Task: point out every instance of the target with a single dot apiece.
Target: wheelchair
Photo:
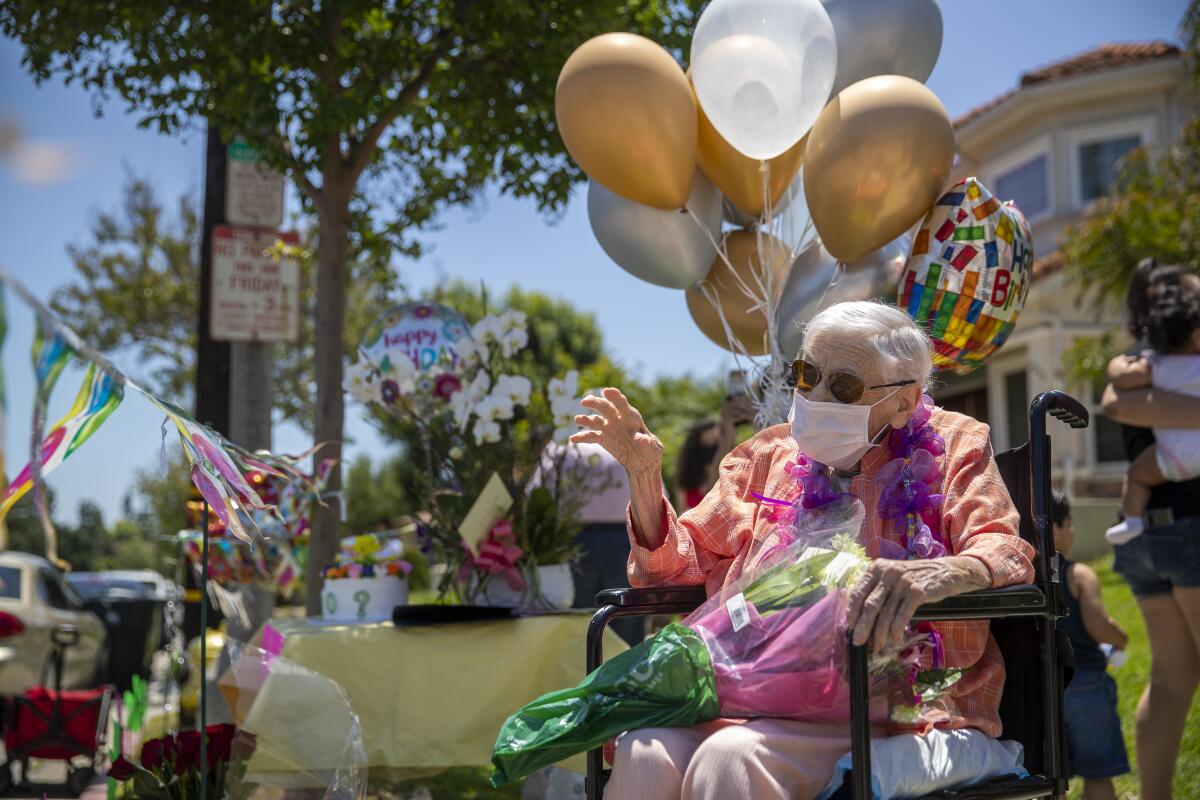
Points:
(1038, 658)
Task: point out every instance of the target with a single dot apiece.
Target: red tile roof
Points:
(1098, 59)
(1048, 265)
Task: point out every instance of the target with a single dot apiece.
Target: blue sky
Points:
(48, 203)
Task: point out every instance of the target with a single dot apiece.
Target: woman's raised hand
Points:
(618, 427)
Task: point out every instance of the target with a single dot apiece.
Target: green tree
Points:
(383, 114)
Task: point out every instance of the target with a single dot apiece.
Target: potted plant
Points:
(470, 421)
(369, 580)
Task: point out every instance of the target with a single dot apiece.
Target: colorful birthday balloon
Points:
(968, 275)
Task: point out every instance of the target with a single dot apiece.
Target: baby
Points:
(1173, 330)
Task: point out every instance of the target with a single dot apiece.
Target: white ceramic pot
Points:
(555, 590)
(363, 599)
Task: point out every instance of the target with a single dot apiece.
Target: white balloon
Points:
(666, 248)
(763, 70)
(885, 37)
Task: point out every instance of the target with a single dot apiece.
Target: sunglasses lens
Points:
(806, 376)
(845, 388)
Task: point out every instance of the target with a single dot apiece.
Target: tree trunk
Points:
(333, 216)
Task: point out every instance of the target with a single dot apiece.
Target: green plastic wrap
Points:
(663, 681)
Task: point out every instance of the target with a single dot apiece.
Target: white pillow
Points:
(911, 765)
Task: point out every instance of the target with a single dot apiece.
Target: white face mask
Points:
(835, 434)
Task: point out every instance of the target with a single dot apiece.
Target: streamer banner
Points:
(98, 396)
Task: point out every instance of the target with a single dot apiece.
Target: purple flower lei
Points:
(908, 481)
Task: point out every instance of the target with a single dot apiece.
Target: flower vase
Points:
(363, 599)
(549, 587)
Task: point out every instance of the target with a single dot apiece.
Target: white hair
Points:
(904, 351)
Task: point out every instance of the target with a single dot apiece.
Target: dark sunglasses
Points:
(844, 386)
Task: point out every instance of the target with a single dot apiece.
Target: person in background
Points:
(1162, 566)
(1173, 331)
(1094, 741)
(706, 444)
(603, 542)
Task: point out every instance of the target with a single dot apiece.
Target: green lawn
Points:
(1130, 679)
(472, 783)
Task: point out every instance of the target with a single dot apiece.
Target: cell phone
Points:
(736, 383)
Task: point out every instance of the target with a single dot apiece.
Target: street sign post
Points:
(253, 193)
(255, 295)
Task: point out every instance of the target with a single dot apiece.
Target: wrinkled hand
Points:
(618, 427)
(883, 602)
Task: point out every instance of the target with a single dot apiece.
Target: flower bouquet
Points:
(368, 581)
(772, 643)
(469, 419)
(170, 768)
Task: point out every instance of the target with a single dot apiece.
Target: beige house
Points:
(1051, 144)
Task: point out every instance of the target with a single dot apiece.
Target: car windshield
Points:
(10, 583)
(92, 587)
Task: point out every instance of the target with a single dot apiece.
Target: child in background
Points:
(1173, 330)
(1094, 742)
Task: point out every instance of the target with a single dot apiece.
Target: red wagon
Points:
(57, 725)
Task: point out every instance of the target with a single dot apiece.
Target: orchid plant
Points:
(464, 422)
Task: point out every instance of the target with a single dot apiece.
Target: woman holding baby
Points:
(1155, 391)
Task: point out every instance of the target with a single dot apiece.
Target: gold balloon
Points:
(748, 324)
(626, 114)
(876, 160)
(739, 177)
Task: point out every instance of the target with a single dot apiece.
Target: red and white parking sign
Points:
(255, 295)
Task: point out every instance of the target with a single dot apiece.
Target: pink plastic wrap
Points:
(777, 635)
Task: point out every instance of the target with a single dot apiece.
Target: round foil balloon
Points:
(746, 319)
(421, 335)
(762, 70)
(968, 275)
(666, 248)
(884, 37)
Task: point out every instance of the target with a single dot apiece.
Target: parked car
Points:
(134, 606)
(34, 600)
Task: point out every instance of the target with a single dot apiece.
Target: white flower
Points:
(512, 320)
(514, 387)
(361, 383)
(463, 402)
(486, 431)
(564, 405)
(564, 432)
(513, 342)
(467, 350)
(495, 407)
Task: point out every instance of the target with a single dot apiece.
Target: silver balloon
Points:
(666, 248)
(815, 282)
(884, 37)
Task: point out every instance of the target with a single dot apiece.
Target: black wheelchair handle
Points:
(1061, 406)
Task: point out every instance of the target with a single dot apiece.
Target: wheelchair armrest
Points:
(682, 596)
(1022, 600)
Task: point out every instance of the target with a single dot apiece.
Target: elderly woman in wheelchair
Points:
(860, 377)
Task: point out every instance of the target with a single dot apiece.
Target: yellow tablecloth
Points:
(427, 697)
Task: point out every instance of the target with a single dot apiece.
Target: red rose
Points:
(220, 742)
(446, 385)
(122, 770)
(154, 754)
(187, 751)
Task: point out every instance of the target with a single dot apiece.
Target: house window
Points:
(1098, 164)
(1110, 441)
(1027, 185)
(1016, 407)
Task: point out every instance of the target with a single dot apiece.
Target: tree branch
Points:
(364, 147)
(311, 190)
